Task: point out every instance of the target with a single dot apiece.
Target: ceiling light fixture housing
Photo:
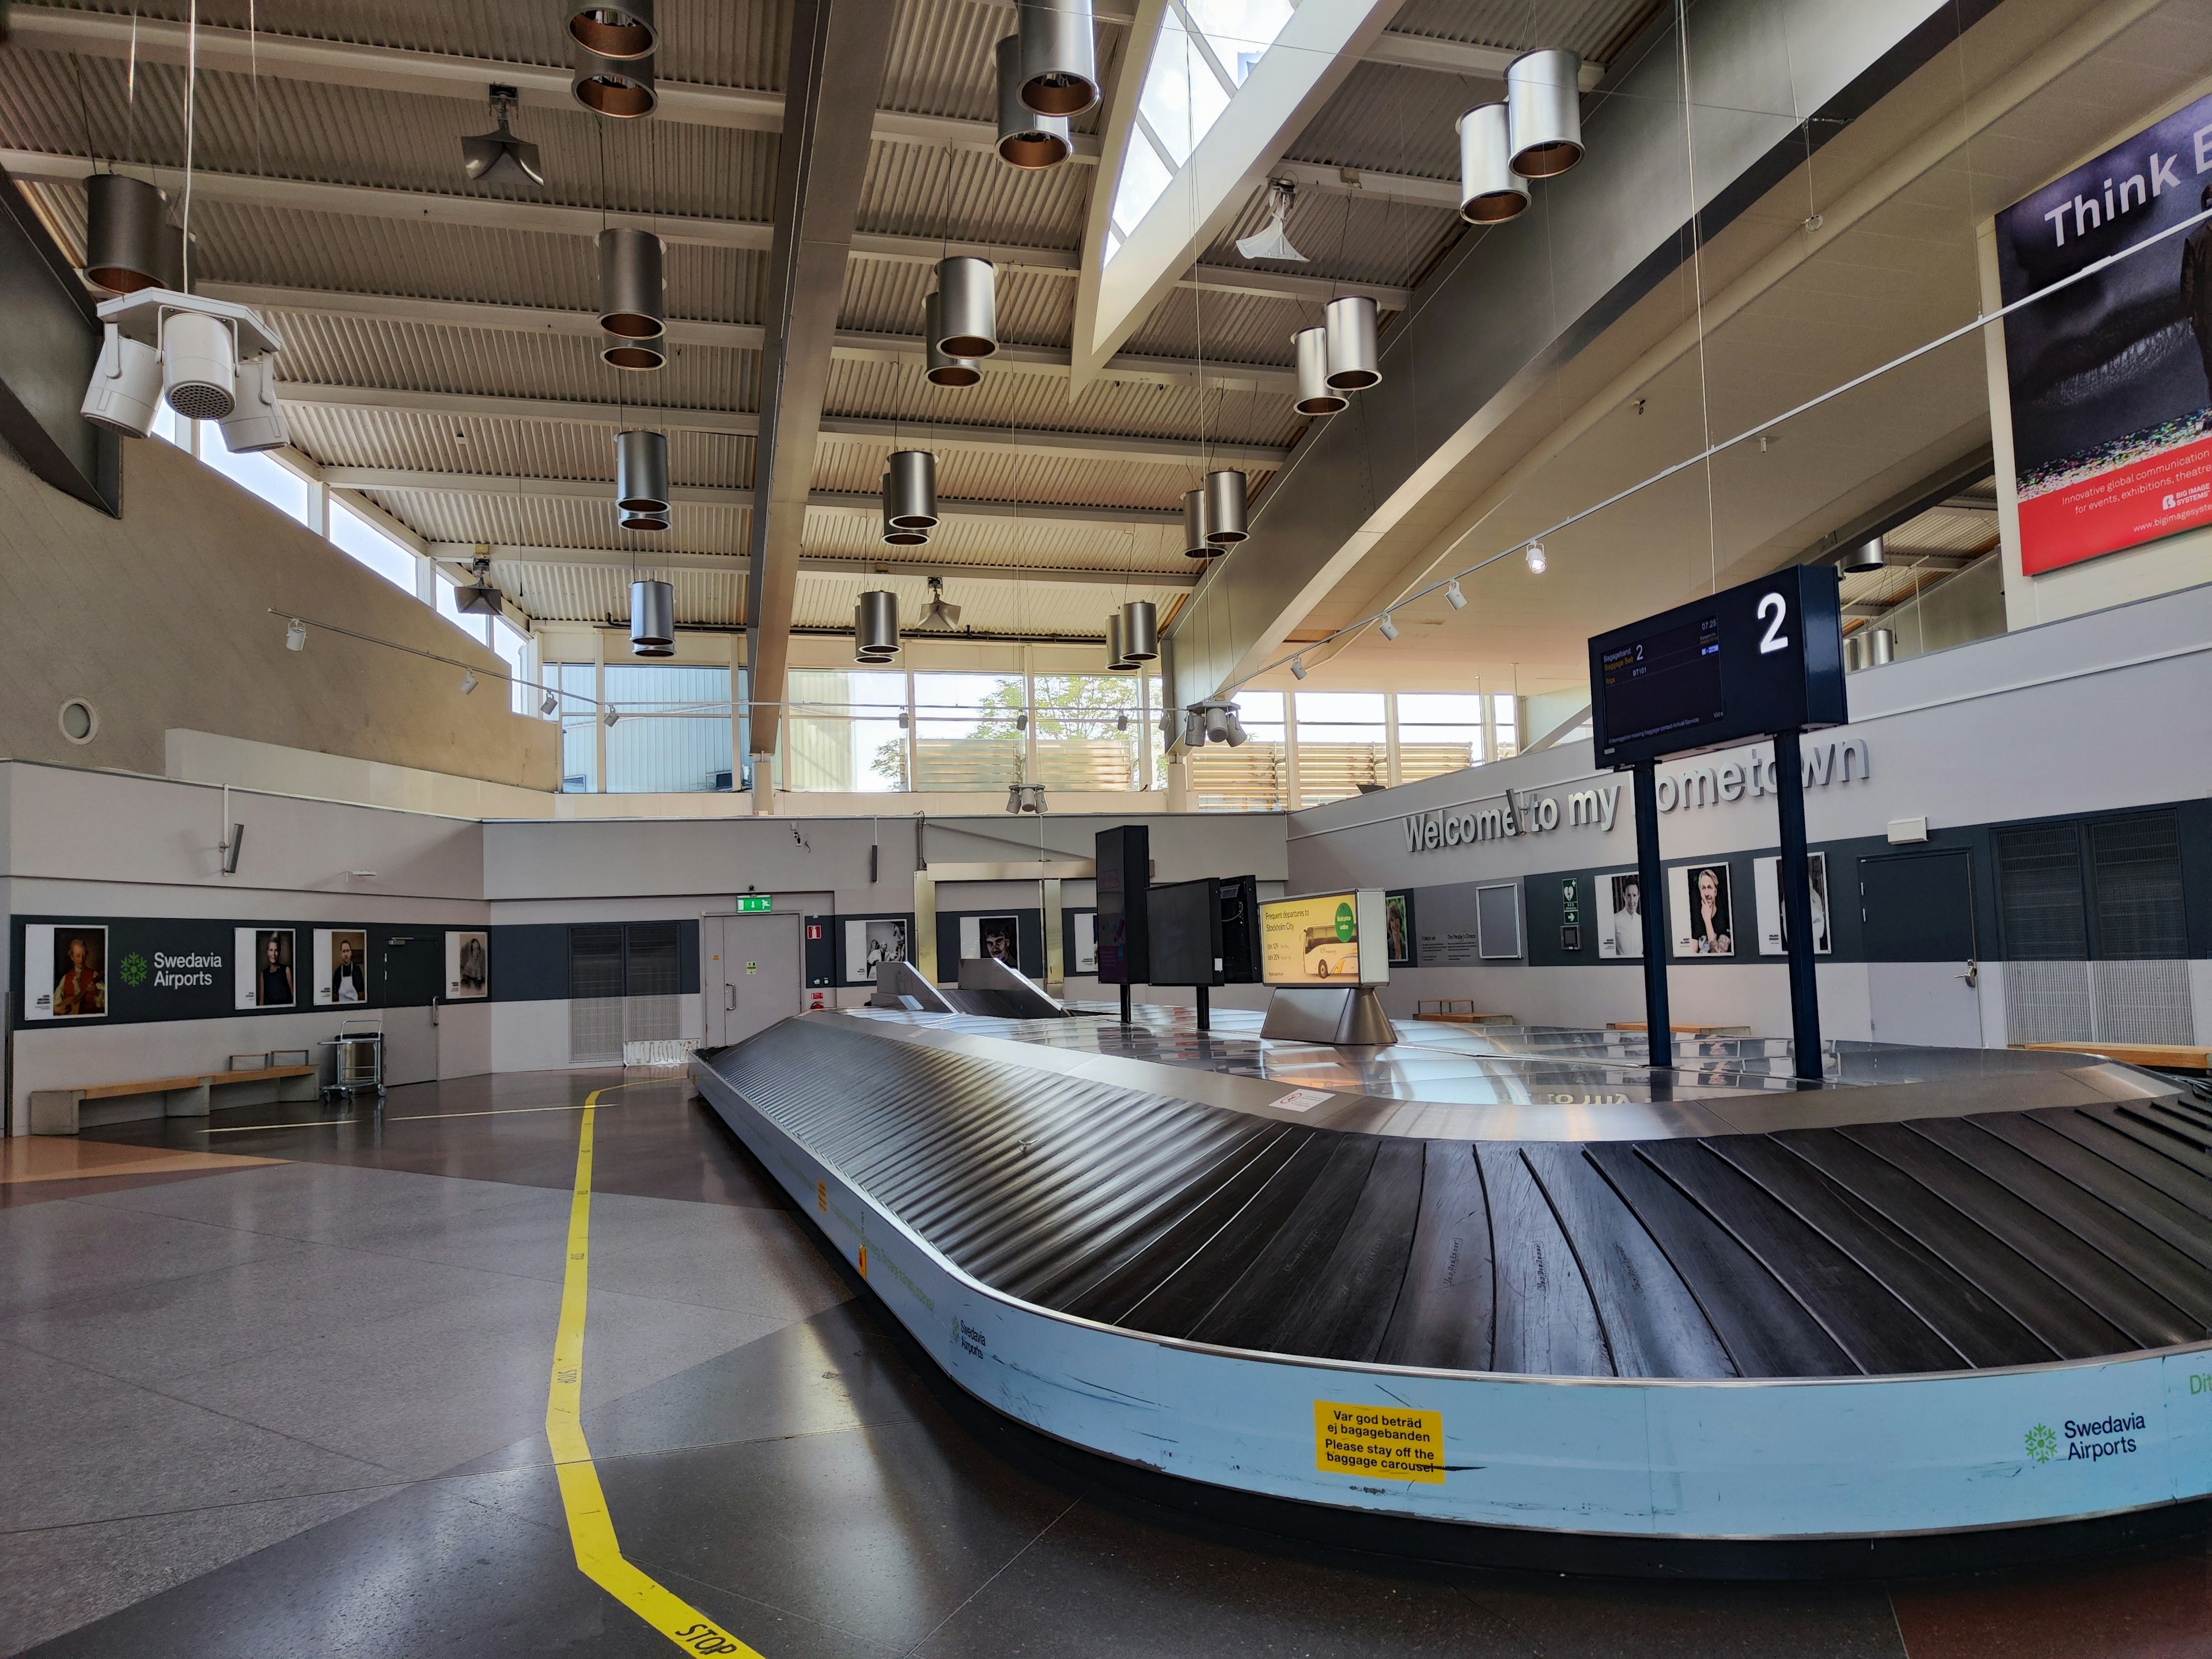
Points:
(652, 613)
(939, 368)
(296, 635)
(1868, 555)
(910, 489)
(1544, 113)
(621, 33)
(1388, 627)
(968, 308)
(127, 234)
(1140, 631)
(1117, 661)
(208, 358)
(899, 535)
(499, 155)
(1224, 508)
(642, 473)
(620, 88)
(1354, 358)
(1535, 559)
(1490, 192)
(1315, 395)
(1026, 139)
(875, 626)
(1059, 56)
(633, 289)
(1453, 596)
(1197, 522)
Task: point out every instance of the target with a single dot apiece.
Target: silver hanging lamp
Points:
(941, 369)
(875, 626)
(1196, 522)
(1026, 139)
(1059, 56)
(910, 490)
(652, 613)
(621, 33)
(1354, 358)
(643, 520)
(1140, 631)
(620, 88)
(1544, 111)
(1490, 192)
(1315, 395)
(127, 234)
(1224, 508)
(1868, 555)
(968, 308)
(642, 471)
(632, 286)
(899, 535)
(1117, 661)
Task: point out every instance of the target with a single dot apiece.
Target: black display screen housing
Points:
(1186, 927)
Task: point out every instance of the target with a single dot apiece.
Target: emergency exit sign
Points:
(748, 902)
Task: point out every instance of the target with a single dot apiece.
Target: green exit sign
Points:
(748, 903)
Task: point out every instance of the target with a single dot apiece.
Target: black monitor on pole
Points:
(1762, 659)
(1124, 869)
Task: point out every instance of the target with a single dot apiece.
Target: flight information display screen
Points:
(1670, 682)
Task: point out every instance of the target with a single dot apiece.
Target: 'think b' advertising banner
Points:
(2110, 379)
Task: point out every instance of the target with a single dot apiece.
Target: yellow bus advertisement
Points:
(1311, 941)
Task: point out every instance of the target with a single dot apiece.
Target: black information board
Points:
(1763, 657)
(1125, 870)
(1185, 932)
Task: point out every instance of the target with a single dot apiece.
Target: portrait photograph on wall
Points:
(1773, 925)
(64, 970)
(1398, 918)
(870, 942)
(2109, 381)
(1697, 904)
(1620, 933)
(468, 966)
(991, 936)
(267, 975)
(341, 967)
(1086, 958)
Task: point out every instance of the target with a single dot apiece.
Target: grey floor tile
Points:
(322, 1201)
(716, 1255)
(1636, 1619)
(56, 1580)
(50, 1252)
(82, 1447)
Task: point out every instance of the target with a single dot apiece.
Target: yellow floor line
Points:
(591, 1530)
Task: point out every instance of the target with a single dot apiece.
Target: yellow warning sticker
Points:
(1389, 1443)
(863, 1261)
(822, 1196)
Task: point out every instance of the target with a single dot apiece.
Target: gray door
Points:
(1916, 921)
(754, 974)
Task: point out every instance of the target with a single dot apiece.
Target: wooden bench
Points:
(1458, 1011)
(2159, 1056)
(1682, 1028)
(55, 1111)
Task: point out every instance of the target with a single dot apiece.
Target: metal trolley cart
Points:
(360, 1068)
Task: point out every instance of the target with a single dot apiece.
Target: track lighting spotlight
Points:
(1167, 727)
(499, 155)
(296, 635)
(1453, 596)
(1013, 797)
(1121, 722)
(1022, 722)
(1297, 668)
(1236, 729)
(125, 391)
(1387, 627)
(610, 717)
(1194, 726)
(1535, 559)
(549, 703)
(468, 680)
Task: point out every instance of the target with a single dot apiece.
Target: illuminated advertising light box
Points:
(1325, 940)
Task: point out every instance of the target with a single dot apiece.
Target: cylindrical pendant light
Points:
(1854, 653)
(942, 370)
(1196, 521)
(1059, 56)
(1117, 661)
(1026, 139)
(620, 88)
(1867, 554)
(1315, 395)
(643, 520)
(651, 612)
(968, 308)
(875, 626)
(1140, 631)
(620, 31)
(899, 535)
(910, 489)
(615, 352)
(1224, 508)
(127, 234)
(1490, 192)
(642, 471)
(1882, 648)
(631, 285)
(1354, 358)
(1544, 108)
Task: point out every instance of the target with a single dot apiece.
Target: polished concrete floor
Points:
(279, 1389)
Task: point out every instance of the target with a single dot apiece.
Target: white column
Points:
(599, 710)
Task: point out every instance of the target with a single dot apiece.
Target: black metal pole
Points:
(1652, 884)
(1205, 1009)
(1796, 876)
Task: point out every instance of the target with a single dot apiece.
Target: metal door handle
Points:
(729, 999)
(1972, 976)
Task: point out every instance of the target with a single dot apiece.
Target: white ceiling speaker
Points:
(125, 393)
(620, 88)
(1490, 192)
(1868, 555)
(1544, 111)
(939, 617)
(875, 626)
(1059, 56)
(642, 473)
(900, 535)
(1026, 139)
(652, 613)
(1315, 395)
(621, 33)
(499, 155)
(199, 366)
(910, 490)
(633, 306)
(1274, 242)
(1140, 631)
(1354, 358)
(967, 307)
(1196, 522)
(940, 369)
(1224, 508)
(127, 234)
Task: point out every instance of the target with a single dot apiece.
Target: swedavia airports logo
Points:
(2086, 1443)
(2042, 1444)
(133, 970)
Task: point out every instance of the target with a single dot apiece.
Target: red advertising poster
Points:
(2110, 378)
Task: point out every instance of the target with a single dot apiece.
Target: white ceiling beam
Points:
(1423, 52)
(433, 207)
(1077, 445)
(738, 336)
(440, 74)
(895, 562)
(1358, 181)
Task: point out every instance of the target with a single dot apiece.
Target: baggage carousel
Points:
(1512, 1295)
